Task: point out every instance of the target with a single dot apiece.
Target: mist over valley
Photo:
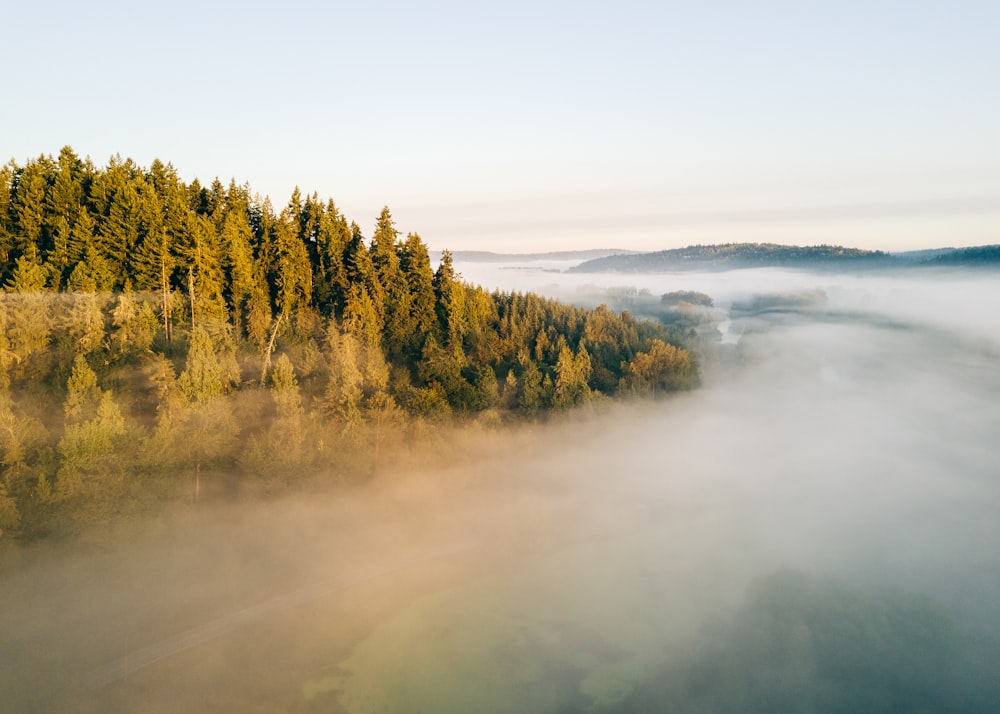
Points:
(814, 527)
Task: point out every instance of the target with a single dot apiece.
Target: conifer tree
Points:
(91, 440)
(115, 192)
(6, 220)
(135, 325)
(207, 374)
(29, 312)
(415, 264)
(331, 283)
(396, 296)
(288, 431)
(28, 208)
(207, 426)
(361, 273)
(450, 302)
(22, 441)
(572, 373)
(362, 319)
(83, 329)
(344, 394)
(64, 207)
(532, 394)
(242, 273)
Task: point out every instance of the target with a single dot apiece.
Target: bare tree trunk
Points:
(191, 293)
(269, 351)
(165, 297)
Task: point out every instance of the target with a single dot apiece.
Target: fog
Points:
(814, 529)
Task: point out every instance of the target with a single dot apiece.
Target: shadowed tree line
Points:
(155, 332)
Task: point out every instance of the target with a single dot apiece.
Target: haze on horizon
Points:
(548, 126)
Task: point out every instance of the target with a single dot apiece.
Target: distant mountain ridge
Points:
(485, 256)
(732, 256)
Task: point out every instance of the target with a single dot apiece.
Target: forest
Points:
(164, 342)
(735, 256)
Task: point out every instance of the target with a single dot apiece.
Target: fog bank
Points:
(834, 484)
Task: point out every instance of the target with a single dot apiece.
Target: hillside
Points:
(731, 256)
(157, 335)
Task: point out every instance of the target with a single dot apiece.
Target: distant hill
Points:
(483, 256)
(979, 256)
(733, 256)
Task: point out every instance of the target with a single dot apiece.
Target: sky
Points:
(522, 126)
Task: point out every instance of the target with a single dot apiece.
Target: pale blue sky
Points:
(512, 126)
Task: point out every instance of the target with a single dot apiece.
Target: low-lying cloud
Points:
(833, 485)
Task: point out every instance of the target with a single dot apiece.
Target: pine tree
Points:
(135, 325)
(385, 259)
(23, 440)
(92, 438)
(343, 397)
(242, 272)
(415, 264)
(7, 173)
(293, 272)
(115, 193)
(361, 274)
(64, 208)
(208, 430)
(572, 373)
(29, 313)
(331, 283)
(28, 207)
(532, 398)
(207, 374)
(661, 368)
(449, 294)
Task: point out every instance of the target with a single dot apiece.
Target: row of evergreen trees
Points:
(149, 313)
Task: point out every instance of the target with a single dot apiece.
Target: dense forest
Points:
(160, 338)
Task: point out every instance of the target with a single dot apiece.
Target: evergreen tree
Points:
(92, 438)
(29, 316)
(135, 325)
(22, 441)
(449, 294)
(83, 329)
(398, 326)
(207, 428)
(362, 318)
(293, 272)
(331, 283)
(415, 264)
(572, 373)
(244, 283)
(344, 394)
(207, 374)
(7, 173)
(28, 208)
(661, 368)
(532, 394)
(64, 207)
(115, 194)
(361, 274)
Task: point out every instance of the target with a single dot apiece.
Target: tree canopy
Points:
(144, 310)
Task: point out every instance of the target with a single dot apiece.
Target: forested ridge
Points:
(729, 256)
(158, 336)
